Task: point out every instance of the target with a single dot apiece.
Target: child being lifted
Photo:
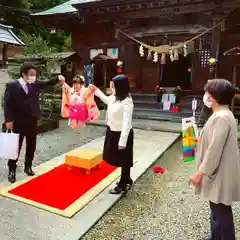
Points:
(77, 103)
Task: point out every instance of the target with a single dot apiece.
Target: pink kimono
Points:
(79, 107)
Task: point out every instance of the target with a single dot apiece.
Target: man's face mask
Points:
(31, 79)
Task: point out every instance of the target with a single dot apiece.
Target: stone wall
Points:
(4, 78)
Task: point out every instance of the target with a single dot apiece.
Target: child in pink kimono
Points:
(73, 102)
(78, 103)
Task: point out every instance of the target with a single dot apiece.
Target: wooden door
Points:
(150, 78)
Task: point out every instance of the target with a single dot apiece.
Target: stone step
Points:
(154, 105)
(144, 97)
(147, 105)
(153, 97)
(160, 111)
(162, 116)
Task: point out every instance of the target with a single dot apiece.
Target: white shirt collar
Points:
(22, 82)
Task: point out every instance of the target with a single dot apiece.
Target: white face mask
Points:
(31, 79)
(206, 101)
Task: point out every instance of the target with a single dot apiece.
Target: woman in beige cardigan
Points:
(218, 160)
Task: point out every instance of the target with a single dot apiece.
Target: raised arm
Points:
(66, 88)
(102, 96)
(8, 103)
(212, 157)
(127, 122)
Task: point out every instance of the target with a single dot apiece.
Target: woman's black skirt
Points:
(112, 155)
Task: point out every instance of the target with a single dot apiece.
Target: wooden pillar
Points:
(215, 43)
(4, 52)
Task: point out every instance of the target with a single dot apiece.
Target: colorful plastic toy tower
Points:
(189, 144)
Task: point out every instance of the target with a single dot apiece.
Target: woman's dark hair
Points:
(221, 90)
(26, 67)
(78, 80)
(122, 88)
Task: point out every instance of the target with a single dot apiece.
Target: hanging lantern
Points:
(149, 57)
(176, 54)
(141, 51)
(171, 55)
(120, 67)
(155, 57)
(185, 51)
(119, 63)
(163, 58)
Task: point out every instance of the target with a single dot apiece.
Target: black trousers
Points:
(222, 224)
(28, 131)
(125, 176)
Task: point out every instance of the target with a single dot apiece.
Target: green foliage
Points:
(18, 14)
(16, 3)
(36, 45)
(44, 4)
(38, 50)
(14, 72)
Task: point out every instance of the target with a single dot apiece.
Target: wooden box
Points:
(83, 158)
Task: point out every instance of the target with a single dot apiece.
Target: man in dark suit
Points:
(22, 112)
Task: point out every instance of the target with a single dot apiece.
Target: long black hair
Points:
(122, 87)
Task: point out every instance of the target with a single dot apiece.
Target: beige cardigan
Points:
(218, 158)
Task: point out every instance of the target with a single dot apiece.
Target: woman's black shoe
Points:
(118, 190)
(121, 189)
(130, 183)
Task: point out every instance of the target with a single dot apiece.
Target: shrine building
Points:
(106, 31)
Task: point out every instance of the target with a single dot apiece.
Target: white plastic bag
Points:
(9, 145)
(166, 106)
(172, 98)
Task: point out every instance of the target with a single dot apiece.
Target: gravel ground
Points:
(159, 207)
(55, 143)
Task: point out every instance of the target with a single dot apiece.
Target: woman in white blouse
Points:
(118, 146)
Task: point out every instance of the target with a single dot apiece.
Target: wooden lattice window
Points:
(204, 53)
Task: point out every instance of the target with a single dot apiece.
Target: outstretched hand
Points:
(61, 79)
(92, 88)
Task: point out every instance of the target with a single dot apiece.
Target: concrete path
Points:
(22, 222)
(160, 207)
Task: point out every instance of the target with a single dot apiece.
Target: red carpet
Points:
(59, 188)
